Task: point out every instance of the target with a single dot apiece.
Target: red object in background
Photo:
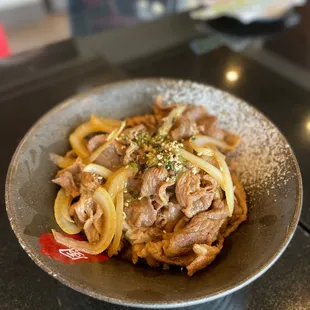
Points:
(4, 47)
(52, 249)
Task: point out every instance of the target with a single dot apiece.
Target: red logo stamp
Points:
(52, 249)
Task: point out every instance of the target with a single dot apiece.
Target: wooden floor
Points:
(52, 29)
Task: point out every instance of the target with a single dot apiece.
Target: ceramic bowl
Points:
(267, 168)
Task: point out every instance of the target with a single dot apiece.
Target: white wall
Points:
(11, 4)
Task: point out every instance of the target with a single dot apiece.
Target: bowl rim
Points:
(128, 302)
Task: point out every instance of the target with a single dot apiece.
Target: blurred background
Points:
(32, 23)
(27, 24)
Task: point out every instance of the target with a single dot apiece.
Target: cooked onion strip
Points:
(118, 131)
(98, 169)
(228, 183)
(62, 162)
(112, 122)
(77, 138)
(104, 202)
(200, 150)
(105, 125)
(202, 164)
(61, 207)
(113, 135)
(202, 140)
(113, 249)
(170, 120)
(117, 182)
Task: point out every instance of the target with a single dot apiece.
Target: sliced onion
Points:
(112, 122)
(118, 131)
(202, 140)
(61, 213)
(105, 125)
(202, 164)
(98, 169)
(62, 162)
(77, 138)
(105, 202)
(228, 183)
(117, 181)
(199, 149)
(170, 120)
(113, 135)
(113, 249)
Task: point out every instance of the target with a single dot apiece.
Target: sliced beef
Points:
(155, 249)
(134, 184)
(148, 120)
(130, 134)
(112, 156)
(129, 152)
(93, 226)
(142, 234)
(152, 179)
(184, 128)
(141, 213)
(90, 182)
(207, 125)
(193, 195)
(186, 125)
(138, 251)
(88, 215)
(194, 112)
(203, 228)
(70, 179)
(82, 209)
(95, 142)
(162, 195)
(66, 181)
(205, 256)
(169, 216)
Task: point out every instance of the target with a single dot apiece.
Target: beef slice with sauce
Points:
(140, 213)
(203, 228)
(195, 193)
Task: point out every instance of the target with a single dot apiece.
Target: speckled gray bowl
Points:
(267, 168)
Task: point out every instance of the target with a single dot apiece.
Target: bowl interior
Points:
(267, 168)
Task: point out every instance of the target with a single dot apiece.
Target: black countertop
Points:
(32, 83)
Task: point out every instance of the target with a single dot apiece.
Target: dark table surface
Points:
(31, 83)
